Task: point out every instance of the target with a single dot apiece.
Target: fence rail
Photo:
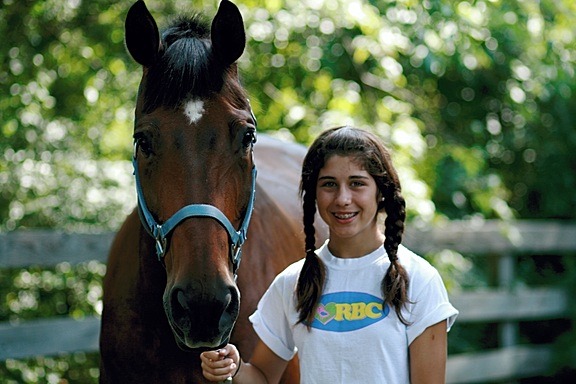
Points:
(504, 304)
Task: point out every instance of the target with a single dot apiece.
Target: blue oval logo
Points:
(348, 311)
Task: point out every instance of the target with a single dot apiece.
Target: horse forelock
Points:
(185, 68)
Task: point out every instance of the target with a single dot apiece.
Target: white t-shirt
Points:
(353, 339)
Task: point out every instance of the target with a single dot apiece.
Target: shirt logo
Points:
(348, 311)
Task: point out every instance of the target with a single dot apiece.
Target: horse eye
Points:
(144, 145)
(249, 137)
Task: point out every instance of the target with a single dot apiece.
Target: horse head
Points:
(193, 137)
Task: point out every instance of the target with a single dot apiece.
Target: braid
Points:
(309, 207)
(313, 274)
(395, 282)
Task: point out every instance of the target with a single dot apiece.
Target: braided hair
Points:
(368, 150)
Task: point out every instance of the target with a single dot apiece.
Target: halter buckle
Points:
(160, 241)
(236, 257)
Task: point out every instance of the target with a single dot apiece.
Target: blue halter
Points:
(160, 232)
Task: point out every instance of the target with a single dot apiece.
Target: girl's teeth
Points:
(344, 216)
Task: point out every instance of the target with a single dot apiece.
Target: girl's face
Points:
(346, 196)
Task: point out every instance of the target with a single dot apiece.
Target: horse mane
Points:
(186, 66)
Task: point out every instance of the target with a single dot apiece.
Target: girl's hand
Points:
(221, 364)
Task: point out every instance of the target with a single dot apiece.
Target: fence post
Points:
(508, 329)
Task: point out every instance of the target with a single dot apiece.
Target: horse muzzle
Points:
(202, 318)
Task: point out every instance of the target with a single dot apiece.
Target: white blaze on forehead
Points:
(193, 109)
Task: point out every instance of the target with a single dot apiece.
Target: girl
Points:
(362, 308)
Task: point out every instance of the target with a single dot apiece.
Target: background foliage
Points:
(475, 98)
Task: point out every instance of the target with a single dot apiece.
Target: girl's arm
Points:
(265, 366)
(428, 355)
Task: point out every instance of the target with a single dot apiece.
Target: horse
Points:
(209, 191)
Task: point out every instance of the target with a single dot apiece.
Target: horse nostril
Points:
(179, 306)
(181, 299)
(231, 309)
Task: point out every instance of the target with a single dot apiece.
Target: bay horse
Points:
(173, 283)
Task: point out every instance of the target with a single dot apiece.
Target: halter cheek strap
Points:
(160, 232)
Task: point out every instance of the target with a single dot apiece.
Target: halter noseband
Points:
(160, 232)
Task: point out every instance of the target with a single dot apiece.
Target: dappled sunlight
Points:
(99, 194)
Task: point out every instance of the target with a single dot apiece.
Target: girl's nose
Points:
(344, 197)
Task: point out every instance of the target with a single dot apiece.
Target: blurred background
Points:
(476, 99)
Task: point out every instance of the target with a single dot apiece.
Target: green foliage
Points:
(62, 291)
(76, 368)
(476, 96)
(63, 69)
(76, 292)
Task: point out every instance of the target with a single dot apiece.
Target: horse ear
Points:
(142, 36)
(228, 36)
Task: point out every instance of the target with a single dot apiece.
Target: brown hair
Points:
(368, 150)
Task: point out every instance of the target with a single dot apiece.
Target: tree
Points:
(475, 99)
